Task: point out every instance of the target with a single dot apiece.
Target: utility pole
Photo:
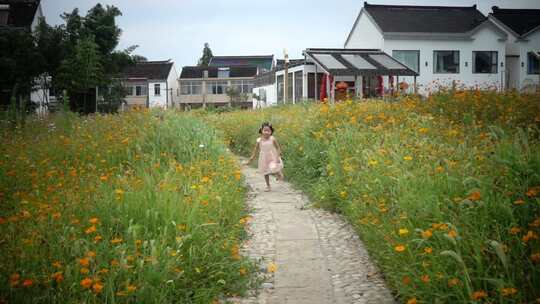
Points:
(286, 77)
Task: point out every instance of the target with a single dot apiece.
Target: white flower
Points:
(201, 146)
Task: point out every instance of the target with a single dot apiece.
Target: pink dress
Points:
(269, 162)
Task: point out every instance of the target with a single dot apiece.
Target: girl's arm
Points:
(253, 152)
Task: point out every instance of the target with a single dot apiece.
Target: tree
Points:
(82, 70)
(139, 58)
(206, 56)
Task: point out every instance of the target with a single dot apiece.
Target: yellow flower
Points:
(116, 241)
(400, 248)
(403, 232)
(408, 158)
(519, 202)
(507, 292)
(90, 254)
(131, 288)
(271, 268)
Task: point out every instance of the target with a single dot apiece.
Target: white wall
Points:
(484, 40)
(172, 85)
(271, 96)
(157, 100)
(365, 34)
(532, 44)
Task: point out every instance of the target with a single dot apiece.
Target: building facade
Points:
(446, 46)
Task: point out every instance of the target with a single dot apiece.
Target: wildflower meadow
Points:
(131, 208)
(444, 191)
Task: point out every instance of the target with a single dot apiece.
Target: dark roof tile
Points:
(149, 70)
(521, 21)
(235, 71)
(425, 19)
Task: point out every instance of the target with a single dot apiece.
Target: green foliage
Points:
(206, 56)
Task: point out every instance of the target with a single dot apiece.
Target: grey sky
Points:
(177, 29)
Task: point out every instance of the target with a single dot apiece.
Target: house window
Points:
(129, 90)
(140, 90)
(533, 64)
(485, 62)
(4, 14)
(242, 86)
(191, 87)
(446, 62)
(157, 89)
(262, 95)
(218, 87)
(408, 58)
(280, 86)
(290, 87)
(298, 86)
(223, 73)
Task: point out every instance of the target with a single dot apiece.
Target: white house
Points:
(444, 45)
(523, 29)
(335, 74)
(151, 84)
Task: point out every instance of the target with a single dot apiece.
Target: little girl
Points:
(270, 162)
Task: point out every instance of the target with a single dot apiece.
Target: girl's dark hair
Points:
(266, 124)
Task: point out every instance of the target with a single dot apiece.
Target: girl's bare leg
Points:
(267, 180)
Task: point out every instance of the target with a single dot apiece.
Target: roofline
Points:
(419, 6)
(216, 78)
(341, 51)
(531, 32)
(251, 56)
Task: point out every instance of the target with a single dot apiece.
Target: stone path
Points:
(319, 257)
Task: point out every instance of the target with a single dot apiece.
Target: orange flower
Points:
(426, 234)
(452, 233)
(93, 221)
(507, 292)
(535, 257)
(97, 287)
(406, 280)
(532, 192)
(131, 288)
(90, 229)
(58, 277)
(519, 202)
(453, 282)
(412, 301)
(57, 264)
(400, 248)
(428, 250)
(530, 235)
(86, 283)
(478, 295)
(85, 270)
(116, 241)
(98, 238)
(515, 230)
(475, 196)
(27, 283)
(91, 254)
(84, 262)
(425, 278)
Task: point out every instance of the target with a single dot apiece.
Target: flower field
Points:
(132, 208)
(444, 192)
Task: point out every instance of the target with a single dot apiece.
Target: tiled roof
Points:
(425, 19)
(264, 62)
(521, 21)
(149, 70)
(234, 71)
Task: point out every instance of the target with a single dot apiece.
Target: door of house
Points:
(512, 72)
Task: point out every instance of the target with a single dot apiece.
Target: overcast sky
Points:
(178, 29)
